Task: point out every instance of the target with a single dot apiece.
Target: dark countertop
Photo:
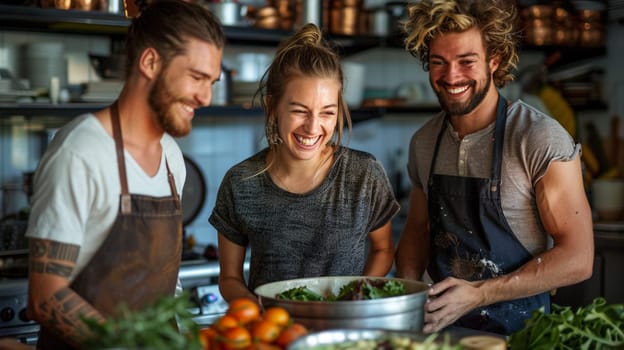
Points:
(607, 278)
(609, 235)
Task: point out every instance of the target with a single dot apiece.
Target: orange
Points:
(277, 315)
(225, 322)
(236, 338)
(244, 310)
(290, 334)
(265, 331)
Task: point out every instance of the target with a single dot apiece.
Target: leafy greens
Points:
(362, 289)
(165, 325)
(596, 326)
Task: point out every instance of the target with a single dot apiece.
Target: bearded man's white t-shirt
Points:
(77, 187)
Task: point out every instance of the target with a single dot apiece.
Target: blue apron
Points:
(471, 239)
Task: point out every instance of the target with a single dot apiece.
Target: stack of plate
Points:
(10, 89)
(43, 61)
(243, 92)
(102, 91)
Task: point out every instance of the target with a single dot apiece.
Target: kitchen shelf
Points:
(25, 18)
(28, 18)
(70, 110)
(567, 54)
(61, 21)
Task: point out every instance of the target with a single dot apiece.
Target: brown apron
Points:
(139, 260)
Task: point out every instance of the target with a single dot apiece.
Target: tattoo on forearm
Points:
(52, 268)
(53, 257)
(63, 251)
(63, 315)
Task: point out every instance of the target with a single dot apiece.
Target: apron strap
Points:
(499, 136)
(172, 185)
(437, 147)
(126, 207)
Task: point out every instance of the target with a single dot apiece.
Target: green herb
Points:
(165, 325)
(596, 326)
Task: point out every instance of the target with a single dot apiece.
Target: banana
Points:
(558, 107)
(589, 159)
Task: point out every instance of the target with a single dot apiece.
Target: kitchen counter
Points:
(608, 276)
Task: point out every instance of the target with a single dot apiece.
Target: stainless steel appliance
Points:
(13, 320)
(199, 277)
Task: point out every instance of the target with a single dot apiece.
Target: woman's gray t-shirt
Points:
(320, 233)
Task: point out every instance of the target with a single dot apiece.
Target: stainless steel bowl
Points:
(403, 312)
(337, 338)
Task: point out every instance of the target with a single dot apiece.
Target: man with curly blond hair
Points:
(498, 215)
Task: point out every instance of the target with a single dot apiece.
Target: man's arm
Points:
(51, 302)
(412, 252)
(566, 216)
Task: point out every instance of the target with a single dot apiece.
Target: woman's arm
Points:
(231, 263)
(381, 254)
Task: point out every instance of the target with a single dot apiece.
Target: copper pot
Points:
(63, 4)
(267, 17)
(565, 35)
(539, 32)
(87, 5)
(345, 17)
(591, 34)
(589, 15)
(345, 20)
(537, 12)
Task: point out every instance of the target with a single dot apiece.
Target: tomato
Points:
(265, 331)
(225, 322)
(236, 338)
(290, 333)
(208, 338)
(244, 310)
(277, 315)
(263, 346)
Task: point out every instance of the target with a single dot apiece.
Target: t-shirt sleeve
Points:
(62, 199)
(223, 217)
(560, 147)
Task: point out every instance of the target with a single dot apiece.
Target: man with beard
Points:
(106, 219)
(494, 183)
